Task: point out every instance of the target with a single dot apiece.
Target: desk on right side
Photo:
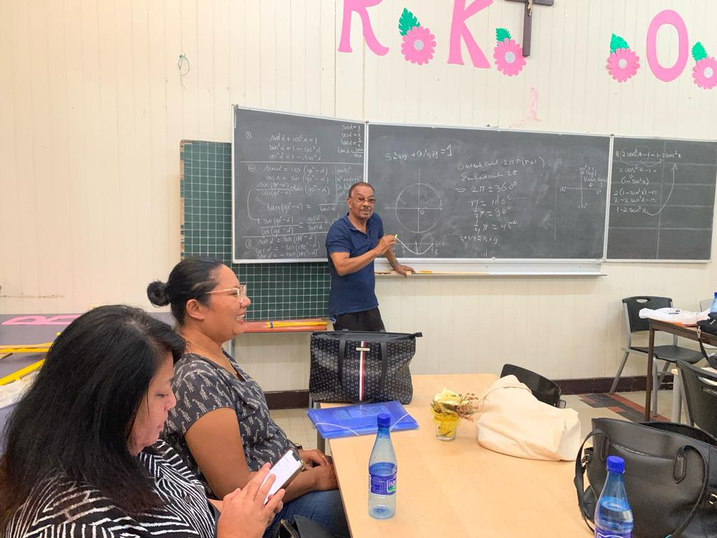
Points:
(680, 330)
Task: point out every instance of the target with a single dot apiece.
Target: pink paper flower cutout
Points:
(509, 57)
(418, 45)
(705, 73)
(623, 64)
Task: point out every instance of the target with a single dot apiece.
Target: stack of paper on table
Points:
(674, 315)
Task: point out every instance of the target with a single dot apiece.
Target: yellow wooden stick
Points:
(29, 348)
(277, 324)
(15, 376)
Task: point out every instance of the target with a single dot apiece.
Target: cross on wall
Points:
(528, 20)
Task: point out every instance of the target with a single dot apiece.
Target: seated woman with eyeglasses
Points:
(82, 456)
(221, 424)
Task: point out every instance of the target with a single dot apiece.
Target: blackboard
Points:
(477, 193)
(277, 290)
(291, 178)
(661, 199)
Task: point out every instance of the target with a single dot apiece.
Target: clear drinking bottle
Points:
(613, 516)
(382, 470)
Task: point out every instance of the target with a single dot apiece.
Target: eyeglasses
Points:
(361, 200)
(238, 292)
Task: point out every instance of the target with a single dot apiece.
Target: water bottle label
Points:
(383, 485)
(599, 533)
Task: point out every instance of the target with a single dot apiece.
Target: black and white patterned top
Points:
(201, 386)
(62, 508)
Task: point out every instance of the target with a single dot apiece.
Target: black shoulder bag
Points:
(707, 326)
(670, 475)
(302, 527)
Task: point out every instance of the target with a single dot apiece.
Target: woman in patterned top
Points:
(82, 457)
(221, 425)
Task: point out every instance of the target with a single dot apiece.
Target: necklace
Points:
(210, 354)
(224, 362)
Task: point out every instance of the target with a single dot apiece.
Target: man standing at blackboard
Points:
(353, 243)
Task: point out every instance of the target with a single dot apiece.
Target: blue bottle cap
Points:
(384, 420)
(615, 464)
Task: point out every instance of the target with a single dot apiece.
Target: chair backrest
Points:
(542, 388)
(700, 388)
(632, 307)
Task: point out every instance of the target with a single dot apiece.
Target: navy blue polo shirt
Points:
(354, 292)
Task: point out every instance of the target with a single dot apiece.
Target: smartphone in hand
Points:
(285, 470)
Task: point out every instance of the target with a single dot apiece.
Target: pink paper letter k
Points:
(460, 30)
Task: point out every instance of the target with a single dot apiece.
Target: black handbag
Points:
(357, 366)
(302, 527)
(707, 326)
(670, 475)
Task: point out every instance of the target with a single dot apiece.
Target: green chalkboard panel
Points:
(458, 193)
(292, 174)
(662, 199)
(278, 290)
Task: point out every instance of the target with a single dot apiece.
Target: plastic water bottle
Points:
(613, 517)
(713, 308)
(382, 470)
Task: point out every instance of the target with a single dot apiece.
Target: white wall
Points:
(93, 108)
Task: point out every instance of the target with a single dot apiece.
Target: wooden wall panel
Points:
(94, 108)
(10, 209)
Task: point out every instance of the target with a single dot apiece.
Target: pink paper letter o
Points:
(671, 17)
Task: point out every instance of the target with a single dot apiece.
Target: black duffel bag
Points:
(359, 366)
(670, 475)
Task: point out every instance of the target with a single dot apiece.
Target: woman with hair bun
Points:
(221, 424)
(82, 456)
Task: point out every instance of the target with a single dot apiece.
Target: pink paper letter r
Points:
(359, 6)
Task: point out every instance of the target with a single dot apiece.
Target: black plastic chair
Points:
(700, 388)
(542, 388)
(668, 353)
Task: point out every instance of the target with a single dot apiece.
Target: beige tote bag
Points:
(514, 422)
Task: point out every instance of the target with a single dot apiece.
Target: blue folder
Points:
(359, 419)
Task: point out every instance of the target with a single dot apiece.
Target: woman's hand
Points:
(313, 457)
(244, 514)
(324, 477)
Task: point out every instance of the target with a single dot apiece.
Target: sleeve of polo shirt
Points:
(379, 222)
(198, 391)
(338, 240)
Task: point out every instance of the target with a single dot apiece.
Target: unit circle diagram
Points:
(418, 208)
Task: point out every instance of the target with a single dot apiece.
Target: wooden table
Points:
(672, 328)
(457, 488)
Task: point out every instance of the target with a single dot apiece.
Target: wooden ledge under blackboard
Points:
(286, 326)
(491, 268)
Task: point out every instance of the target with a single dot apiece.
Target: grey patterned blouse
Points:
(202, 386)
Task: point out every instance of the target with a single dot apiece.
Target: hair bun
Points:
(157, 293)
